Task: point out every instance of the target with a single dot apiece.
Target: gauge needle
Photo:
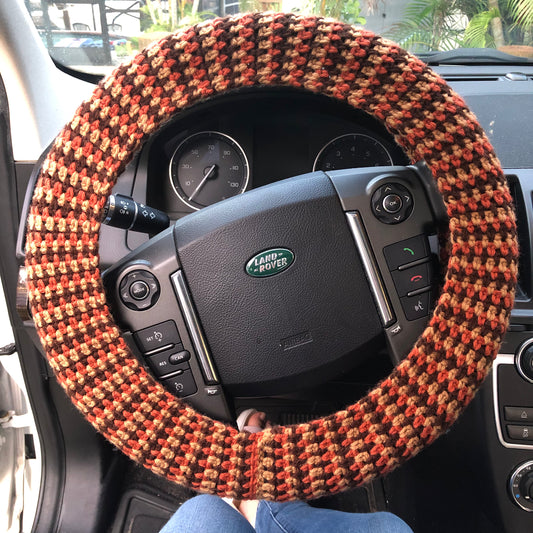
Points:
(209, 174)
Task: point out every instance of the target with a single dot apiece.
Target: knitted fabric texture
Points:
(408, 410)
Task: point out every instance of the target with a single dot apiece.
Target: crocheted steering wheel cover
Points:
(424, 394)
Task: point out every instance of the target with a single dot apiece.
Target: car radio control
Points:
(392, 203)
(139, 290)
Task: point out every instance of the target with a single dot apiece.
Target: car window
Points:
(93, 36)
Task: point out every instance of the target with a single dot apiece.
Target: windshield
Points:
(95, 35)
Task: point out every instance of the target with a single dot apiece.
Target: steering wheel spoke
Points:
(393, 214)
(151, 300)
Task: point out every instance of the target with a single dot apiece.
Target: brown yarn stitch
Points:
(425, 393)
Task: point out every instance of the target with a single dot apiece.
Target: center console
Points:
(511, 412)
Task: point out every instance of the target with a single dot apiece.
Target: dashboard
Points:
(232, 144)
(250, 146)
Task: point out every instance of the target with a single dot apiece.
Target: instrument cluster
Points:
(227, 146)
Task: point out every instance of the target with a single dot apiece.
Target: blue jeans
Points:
(210, 514)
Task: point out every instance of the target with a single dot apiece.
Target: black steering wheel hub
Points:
(297, 327)
(282, 288)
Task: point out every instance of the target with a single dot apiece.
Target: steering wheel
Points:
(426, 391)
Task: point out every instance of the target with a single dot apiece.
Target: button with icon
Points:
(157, 337)
(412, 279)
(392, 203)
(162, 364)
(407, 251)
(520, 432)
(181, 385)
(519, 414)
(416, 307)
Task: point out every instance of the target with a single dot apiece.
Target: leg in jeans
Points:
(207, 514)
(298, 517)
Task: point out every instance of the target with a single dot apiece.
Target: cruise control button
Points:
(182, 385)
(416, 307)
(520, 432)
(412, 279)
(404, 252)
(158, 336)
(179, 357)
(162, 366)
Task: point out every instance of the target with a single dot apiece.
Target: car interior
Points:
(275, 242)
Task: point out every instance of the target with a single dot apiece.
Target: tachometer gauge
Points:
(208, 167)
(351, 151)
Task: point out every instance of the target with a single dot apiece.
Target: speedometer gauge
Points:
(208, 167)
(351, 151)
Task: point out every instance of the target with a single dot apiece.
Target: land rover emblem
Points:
(269, 263)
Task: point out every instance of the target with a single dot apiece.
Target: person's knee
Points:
(385, 522)
(202, 503)
(196, 513)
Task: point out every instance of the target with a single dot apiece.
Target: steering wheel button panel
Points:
(412, 279)
(165, 345)
(139, 290)
(392, 203)
(158, 337)
(181, 385)
(406, 251)
(415, 307)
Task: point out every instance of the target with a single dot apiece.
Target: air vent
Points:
(509, 76)
(520, 196)
(517, 76)
(472, 78)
